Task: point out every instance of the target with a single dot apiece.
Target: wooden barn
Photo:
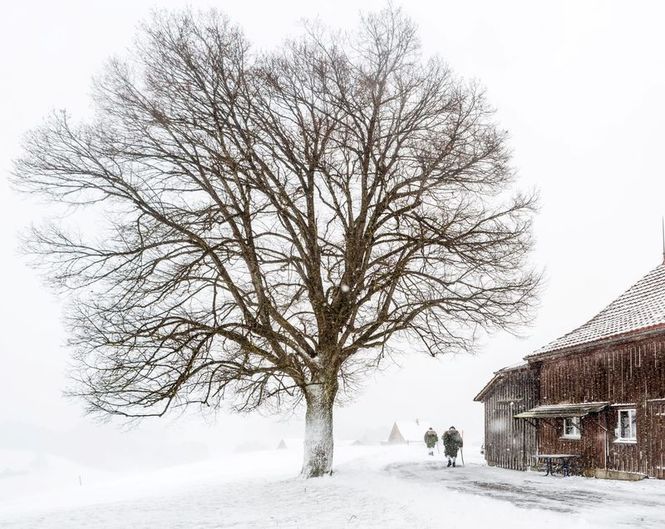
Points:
(510, 442)
(596, 394)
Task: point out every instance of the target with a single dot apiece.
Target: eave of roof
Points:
(551, 411)
(487, 387)
(639, 308)
(618, 338)
(498, 375)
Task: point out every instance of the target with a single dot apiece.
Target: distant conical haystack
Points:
(281, 445)
(405, 432)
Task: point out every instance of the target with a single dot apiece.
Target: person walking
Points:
(431, 438)
(452, 442)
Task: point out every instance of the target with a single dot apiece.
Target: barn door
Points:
(655, 437)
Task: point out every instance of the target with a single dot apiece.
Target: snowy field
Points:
(372, 487)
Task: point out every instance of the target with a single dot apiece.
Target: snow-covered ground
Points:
(372, 487)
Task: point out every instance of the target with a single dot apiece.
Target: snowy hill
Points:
(383, 487)
(25, 472)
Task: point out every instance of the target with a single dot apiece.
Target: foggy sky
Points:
(579, 86)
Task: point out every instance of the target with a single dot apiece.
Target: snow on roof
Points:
(513, 367)
(498, 375)
(640, 307)
(580, 409)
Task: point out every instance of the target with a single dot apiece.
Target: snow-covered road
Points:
(372, 487)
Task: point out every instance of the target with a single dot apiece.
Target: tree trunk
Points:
(318, 455)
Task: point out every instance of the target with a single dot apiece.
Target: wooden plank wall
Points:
(655, 413)
(631, 374)
(511, 443)
(591, 447)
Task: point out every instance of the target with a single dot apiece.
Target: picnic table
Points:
(554, 462)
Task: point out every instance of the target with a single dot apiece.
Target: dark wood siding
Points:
(590, 447)
(511, 443)
(629, 375)
(655, 440)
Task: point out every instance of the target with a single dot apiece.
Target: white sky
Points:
(580, 87)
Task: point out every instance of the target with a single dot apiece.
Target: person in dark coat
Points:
(431, 438)
(452, 442)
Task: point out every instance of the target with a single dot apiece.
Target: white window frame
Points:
(632, 413)
(575, 432)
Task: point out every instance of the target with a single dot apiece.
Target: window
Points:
(627, 427)
(571, 427)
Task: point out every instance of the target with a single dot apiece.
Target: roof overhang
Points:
(552, 411)
(635, 334)
(498, 375)
(481, 396)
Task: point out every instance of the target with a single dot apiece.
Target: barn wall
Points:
(591, 447)
(511, 443)
(629, 373)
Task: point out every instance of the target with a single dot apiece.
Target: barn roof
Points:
(640, 307)
(498, 375)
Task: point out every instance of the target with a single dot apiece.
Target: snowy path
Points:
(378, 487)
(615, 503)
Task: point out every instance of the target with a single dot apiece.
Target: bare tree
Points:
(271, 221)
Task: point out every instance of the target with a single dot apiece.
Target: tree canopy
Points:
(268, 222)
